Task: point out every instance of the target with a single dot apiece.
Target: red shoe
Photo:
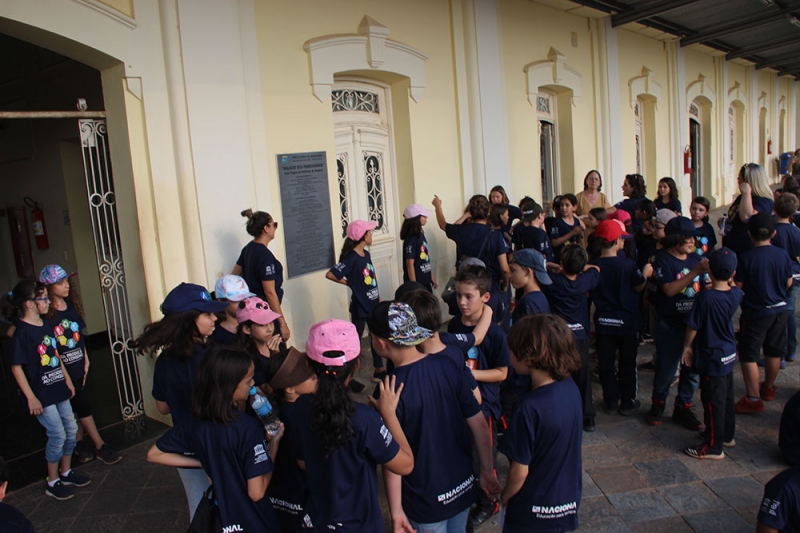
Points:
(745, 406)
(768, 393)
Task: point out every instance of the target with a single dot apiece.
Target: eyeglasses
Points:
(273, 224)
(44, 299)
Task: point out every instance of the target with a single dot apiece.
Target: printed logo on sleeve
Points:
(770, 507)
(260, 454)
(387, 436)
(269, 270)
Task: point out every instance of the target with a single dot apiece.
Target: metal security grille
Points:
(108, 250)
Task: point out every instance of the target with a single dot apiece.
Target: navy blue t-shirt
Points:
(705, 241)
(222, 336)
(514, 213)
(568, 298)
(416, 248)
(780, 508)
(34, 349)
(492, 353)
(789, 434)
(736, 237)
(560, 228)
(259, 264)
(668, 268)
(13, 521)
(71, 344)
(462, 341)
(434, 406)
(672, 205)
(615, 297)
(714, 346)
(343, 487)
(288, 488)
(545, 435)
(481, 242)
(629, 205)
(532, 303)
(360, 276)
(764, 272)
(230, 455)
(533, 237)
(787, 236)
(173, 381)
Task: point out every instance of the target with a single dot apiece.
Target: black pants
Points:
(581, 379)
(716, 393)
(360, 324)
(618, 383)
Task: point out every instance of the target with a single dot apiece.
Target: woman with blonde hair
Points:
(755, 197)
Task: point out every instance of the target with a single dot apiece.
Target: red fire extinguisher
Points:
(687, 160)
(769, 146)
(39, 226)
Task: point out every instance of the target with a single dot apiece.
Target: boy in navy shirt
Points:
(616, 318)
(710, 349)
(489, 361)
(567, 297)
(529, 232)
(764, 274)
(528, 270)
(787, 236)
(543, 443)
(440, 418)
(780, 508)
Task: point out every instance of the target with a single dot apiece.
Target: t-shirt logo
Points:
(369, 276)
(387, 436)
(692, 290)
(701, 245)
(269, 270)
(260, 454)
(67, 333)
(423, 252)
(45, 359)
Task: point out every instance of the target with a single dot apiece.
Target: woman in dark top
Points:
(259, 267)
(635, 189)
(755, 197)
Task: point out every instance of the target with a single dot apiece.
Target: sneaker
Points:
(83, 452)
(630, 407)
(650, 366)
(767, 393)
(356, 386)
(74, 479)
(59, 491)
(647, 338)
(702, 452)
(377, 377)
(685, 415)
(108, 456)
(653, 416)
(481, 514)
(728, 443)
(791, 358)
(745, 406)
(589, 425)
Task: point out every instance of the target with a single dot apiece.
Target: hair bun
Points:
(248, 213)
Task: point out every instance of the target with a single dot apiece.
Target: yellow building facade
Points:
(201, 97)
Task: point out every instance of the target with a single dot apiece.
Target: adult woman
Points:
(635, 189)
(226, 443)
(181, 337)
(498, 196)
(259, 267)
(591, 197)
(755, 197)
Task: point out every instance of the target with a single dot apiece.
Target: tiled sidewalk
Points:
(636, 479)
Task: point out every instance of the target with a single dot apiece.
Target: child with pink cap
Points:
(257, 334)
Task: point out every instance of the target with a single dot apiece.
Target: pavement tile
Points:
(596, 510)
(674, 524)
(153, 499)
(158, 522)
(99, 524)
(737, 491)
(641, 505)
(749, 513)
(127, 478)
(666, 472)
(708, 470)
(110, 502)
(692, 498)
(765, 475)
(50, 510)
(165, 476)
(589, 489)
(729, 522)
(52, 526)
(603, 455)
(615, 479)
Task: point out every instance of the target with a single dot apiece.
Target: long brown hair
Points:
(545, 342)
(74, 297)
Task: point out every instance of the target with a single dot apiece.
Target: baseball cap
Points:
(722, 263)
(190, 297)
(611, 230)
(471, 261)
(621, 215)
(761, 221)
(663, 216)
(53, 274)
(415, 210)
(256, 310)
(358, 228)
(396, 321)
(530, 258)
(679, 226)
(333, 342)
(531, 210)
(293, 371)
(232, 288)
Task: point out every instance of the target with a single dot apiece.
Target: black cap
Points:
(680, 226)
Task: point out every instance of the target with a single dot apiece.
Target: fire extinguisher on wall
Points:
(769, 146)
(39, 226)
(687, 160)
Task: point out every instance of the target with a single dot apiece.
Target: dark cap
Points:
(530, 211)
(190, 297)
(761, 221)
(293, 371)
(722, 263)
(680, 226)
(530, 258)
(396, 321)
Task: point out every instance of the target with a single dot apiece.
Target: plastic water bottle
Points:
(722, 229)
(265, 412)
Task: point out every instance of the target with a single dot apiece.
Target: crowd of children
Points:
(511, 373)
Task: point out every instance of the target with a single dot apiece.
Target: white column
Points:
(460, 52)
(755, 111)
(599, 85)
(612, 126)
(793, 117)
(721, 114)
(678, 112)
(774, 134)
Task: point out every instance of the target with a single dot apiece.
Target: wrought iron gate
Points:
(108, 251)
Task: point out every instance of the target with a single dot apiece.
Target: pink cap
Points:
(358, 228)
(333, 342)
(621, 215)
(415, 210)
(256, 310)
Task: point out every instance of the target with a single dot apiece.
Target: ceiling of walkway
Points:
(764, 32)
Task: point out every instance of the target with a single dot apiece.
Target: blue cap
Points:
(722, 263)
(680, 226)
(530, 258)
(190, 297)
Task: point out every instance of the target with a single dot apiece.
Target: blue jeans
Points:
(791, 324)
(456, 524)
(59, 422)
(195, 482)
(669, 349)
